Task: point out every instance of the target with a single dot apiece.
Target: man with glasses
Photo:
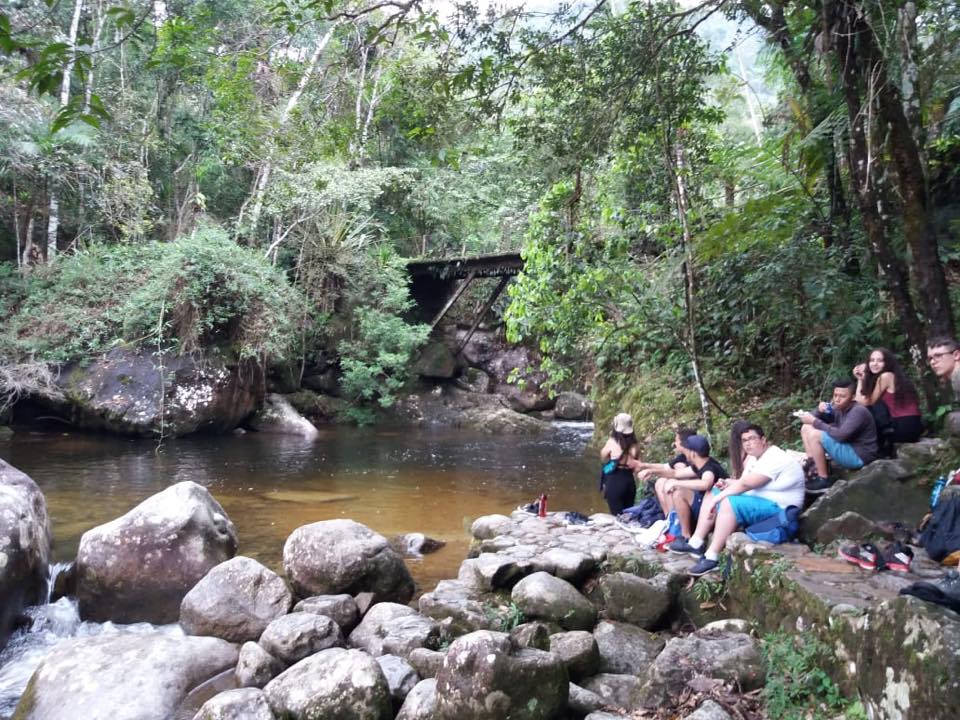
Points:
(943, 354)
(773, 483)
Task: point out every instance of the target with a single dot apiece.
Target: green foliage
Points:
(202, 290)
(375, 355)
(798, 687)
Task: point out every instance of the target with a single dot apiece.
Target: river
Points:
(394, 481)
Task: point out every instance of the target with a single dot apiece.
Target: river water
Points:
(396, 482)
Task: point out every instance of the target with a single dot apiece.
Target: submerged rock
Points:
(142, 676)
(343, 556)
(139, 567)
(484, 678)
(235, 601)
(24, 546)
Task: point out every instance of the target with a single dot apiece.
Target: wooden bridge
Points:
(436, 285)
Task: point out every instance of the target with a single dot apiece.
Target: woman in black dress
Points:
(616, 479)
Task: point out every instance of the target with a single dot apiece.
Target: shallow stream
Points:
(396, 482)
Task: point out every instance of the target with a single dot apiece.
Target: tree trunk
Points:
(53, 209)
(266, 169)
(689, 288)
(926, 270)
(866, 179)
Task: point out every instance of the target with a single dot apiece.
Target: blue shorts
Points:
(842, 453)
(697, 502)
(750, 509)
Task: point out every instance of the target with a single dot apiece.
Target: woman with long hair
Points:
(616, 478)
(737, 454)
(882, 380)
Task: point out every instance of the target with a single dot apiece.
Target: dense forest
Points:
(703, 235)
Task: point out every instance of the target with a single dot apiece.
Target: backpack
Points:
(941, 536)
(779, 528)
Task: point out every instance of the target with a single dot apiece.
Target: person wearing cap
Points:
(774, 482)
(685, 495)
(616, 481)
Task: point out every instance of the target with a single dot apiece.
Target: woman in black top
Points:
(616, 480)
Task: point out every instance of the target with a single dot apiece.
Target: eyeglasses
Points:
(752, 438)
(934, 357)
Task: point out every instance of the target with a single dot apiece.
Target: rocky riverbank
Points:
(546, 619)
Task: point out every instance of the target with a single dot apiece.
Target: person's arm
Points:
(700, 484)
(750, 481)
(852, 425)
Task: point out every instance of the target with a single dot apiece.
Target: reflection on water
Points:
(394, 482)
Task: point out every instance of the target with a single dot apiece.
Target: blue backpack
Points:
(779, 528)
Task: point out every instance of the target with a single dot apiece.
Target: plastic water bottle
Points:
(542, 512)
(937, 489)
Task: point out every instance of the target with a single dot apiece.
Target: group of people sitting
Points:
(878, 405)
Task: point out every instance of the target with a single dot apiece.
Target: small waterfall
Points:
(49, 624)
(53, 571)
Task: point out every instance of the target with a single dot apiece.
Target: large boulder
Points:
(142, 393)
(881, 491)
(644, 602)
(277, 415)
(24, 546)
(240, 704)
(436, 361)
(625, 648)
(140, 566)
(572, 406)
(298, 635)
(908, 660)
(544, 596)
(462, 606)
(621, 691)
(334, 684)
(235, 601)
(484, 677)
(391, 628)
(579, 652)
(728, 656)
(122, 676)
(508, 364)
(343, 556)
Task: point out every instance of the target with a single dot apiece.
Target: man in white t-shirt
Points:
(773, 483)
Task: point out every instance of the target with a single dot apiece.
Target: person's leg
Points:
(682, 502)
(705, 520)
(842, 453)
(813, 446)
(723, 528)
(662, 497)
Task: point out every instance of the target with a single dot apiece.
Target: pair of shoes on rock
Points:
(682, 546)
(896, 556)
(819, 485)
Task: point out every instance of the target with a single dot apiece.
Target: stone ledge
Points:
(900, 655)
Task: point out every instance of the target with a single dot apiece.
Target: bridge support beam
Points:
(453, 298)
(486, 308)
